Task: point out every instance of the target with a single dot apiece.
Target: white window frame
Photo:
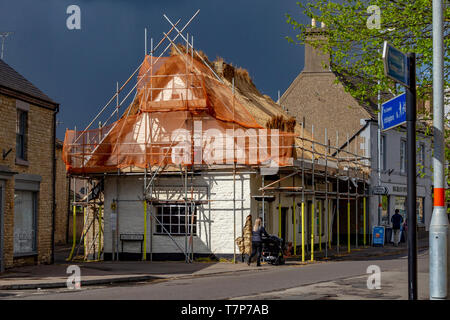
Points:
(383, 153)
(403, 156)
(172, 222)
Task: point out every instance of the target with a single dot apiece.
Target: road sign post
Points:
(402, 69)
(411, 177)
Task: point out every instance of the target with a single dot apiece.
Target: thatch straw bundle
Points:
(281, 123)
(182, 48)
(245, 243)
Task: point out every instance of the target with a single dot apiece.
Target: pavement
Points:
(115, 272)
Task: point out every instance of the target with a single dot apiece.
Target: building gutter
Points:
(54, 184)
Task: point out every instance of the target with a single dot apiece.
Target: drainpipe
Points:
(54, 184)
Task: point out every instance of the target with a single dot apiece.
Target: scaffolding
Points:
(173, 97)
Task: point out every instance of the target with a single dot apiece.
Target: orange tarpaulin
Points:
(181, 115)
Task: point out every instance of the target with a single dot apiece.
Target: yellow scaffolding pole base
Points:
(303, 231)
(312, 231)
(144, 247)
(74, 233)
(348, 227)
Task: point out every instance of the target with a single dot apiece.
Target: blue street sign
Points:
(395, 64)
(393, 112)
(378, 236)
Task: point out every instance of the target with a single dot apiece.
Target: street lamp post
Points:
(438, 235)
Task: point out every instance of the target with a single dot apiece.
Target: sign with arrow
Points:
(395, 64)
(393, 112)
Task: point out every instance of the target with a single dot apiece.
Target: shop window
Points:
(25, 209)
(173, 218)
(400, 204)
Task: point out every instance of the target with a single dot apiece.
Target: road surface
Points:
(324, 280)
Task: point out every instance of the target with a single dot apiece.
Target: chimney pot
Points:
(313, 23)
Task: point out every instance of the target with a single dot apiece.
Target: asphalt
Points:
(109, 272)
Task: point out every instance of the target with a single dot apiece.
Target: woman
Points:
(258, 231)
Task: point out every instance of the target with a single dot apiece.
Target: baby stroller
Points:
(272, 250)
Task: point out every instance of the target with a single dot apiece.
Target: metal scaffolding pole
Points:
(303, 192)
(263, 211)
(186, 217)
(337, 200)
(234, 184)
(313, 207)
(348, 203)
(356, 199)
(364, 209)
(327, 212)
(294, 217)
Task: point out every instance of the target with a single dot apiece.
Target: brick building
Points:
(27, 171)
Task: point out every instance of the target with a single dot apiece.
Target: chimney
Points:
(315, 58)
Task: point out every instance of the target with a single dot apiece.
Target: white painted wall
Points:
(396, 178)
(215, 232)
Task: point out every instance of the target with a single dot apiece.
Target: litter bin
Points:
(388, 235)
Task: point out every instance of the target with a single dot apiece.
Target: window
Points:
(173, 219)
(403, 156)
(21, 134)
(383, 153)
(421, 153)
(419, 208)
(266, 220)
(24, 222)
(400, 204)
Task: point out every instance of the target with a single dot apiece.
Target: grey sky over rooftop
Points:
(79, 68)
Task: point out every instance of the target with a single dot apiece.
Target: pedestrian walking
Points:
(257, 233)
(396, 220)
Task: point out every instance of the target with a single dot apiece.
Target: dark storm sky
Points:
(79, 68)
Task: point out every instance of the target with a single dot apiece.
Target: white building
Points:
(161, 198)
(318, 96)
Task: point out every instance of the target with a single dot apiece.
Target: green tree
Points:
(356, 49)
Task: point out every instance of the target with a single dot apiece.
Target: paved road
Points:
(345, 279)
